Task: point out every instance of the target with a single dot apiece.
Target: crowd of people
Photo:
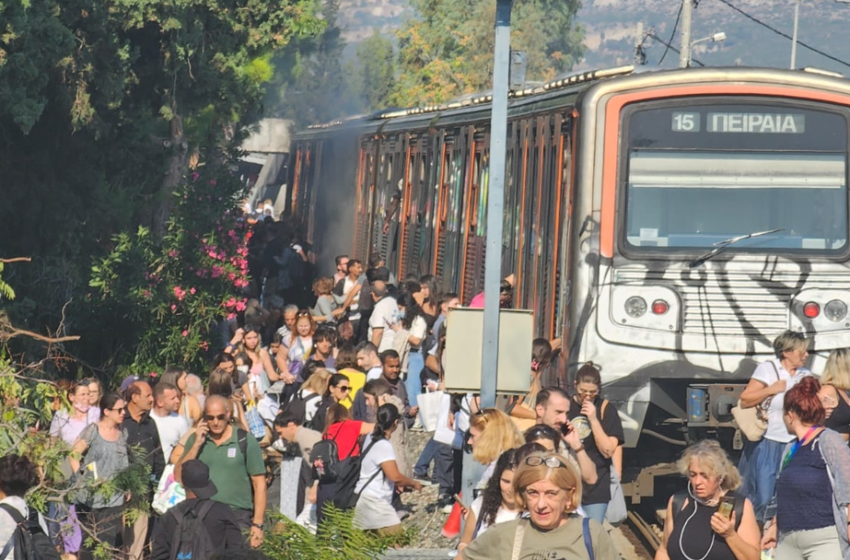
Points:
(311, 400)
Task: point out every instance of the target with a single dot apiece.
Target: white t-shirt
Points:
(383, 316)
(419, 328)
(765, 373)
(354, 309)
(502, 515)
(381, 487)
(374, 373)
(7, 524)
(171, 428)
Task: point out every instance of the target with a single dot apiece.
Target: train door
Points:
(365, 199)
(434, 201)
(453, 213)
(472, 276)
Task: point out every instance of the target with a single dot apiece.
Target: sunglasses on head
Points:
(551, 462)
(211, 417)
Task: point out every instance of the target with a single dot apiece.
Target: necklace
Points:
(696, 500)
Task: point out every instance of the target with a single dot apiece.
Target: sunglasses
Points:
(551, 462)
(219, 417)
(344, 388)
(118, 410)
(303, 314)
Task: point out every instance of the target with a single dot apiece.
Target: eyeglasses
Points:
(592, 393)
(344, 388)
(551, 462)
(118, 410)
(219, 417)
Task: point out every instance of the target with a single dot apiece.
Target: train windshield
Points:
(701, 174)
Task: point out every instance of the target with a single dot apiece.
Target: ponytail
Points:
(387, 417)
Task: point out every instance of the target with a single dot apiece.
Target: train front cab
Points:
(670, 165)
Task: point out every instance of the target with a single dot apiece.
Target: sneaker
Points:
(402, 514)
(445, 503)
(447, 509)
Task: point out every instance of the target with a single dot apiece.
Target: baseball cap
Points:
(196, 477)
(129, 380)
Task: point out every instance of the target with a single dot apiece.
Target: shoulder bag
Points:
(753, 421)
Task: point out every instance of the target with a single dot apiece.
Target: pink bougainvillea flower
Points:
(185, 333)
(231, 316)
(240, 306)
(179, 293)
(173, 307)
(192, 291)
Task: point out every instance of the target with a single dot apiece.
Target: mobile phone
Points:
(566, 428)
(726, 506)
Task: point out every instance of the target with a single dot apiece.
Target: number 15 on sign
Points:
(686, 122)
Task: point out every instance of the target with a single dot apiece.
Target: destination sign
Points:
(754, 123)
(759, 123)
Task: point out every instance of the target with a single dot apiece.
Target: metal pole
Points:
(495, 203)
(472, 470)
(685, 48)
(794, 40)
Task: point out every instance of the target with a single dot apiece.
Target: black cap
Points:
(196, 477)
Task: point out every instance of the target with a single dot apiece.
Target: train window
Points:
(701, 174)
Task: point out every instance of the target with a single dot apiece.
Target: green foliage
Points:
(168, 294)
(447, 49)
(374, 71)
(337, 539)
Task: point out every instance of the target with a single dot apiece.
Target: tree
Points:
(447, 49)
(373, 73)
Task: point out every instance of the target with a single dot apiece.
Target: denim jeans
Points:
(443, 457)
(596, 511)
(759, 465)
(413, 383)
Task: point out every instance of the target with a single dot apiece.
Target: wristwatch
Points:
(257, 525)
(580, 449)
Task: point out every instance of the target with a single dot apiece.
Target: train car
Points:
(667, 224)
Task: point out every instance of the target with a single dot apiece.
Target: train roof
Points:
(562, 91)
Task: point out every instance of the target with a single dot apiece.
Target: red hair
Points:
(803, 400)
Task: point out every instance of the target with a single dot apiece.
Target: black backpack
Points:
(29, 539)
(297, 405)
(345, 497)
(328, 452)
(191, 540)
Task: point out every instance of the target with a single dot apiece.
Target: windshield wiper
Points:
(721, 245)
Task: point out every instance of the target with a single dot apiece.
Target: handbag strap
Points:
(518, 536)
(18, 519)
(588, 542)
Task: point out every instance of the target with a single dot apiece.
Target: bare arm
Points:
(376, 336)
(366, 428)
(201, 431)
(745, 541)
(586, 466)
(258, 482)
(661, 553)
(519, 411)
(756, 391)
(468, 529)
(267, 365)
(79, 448)
(391, 471)
(617, 461)
(604, 443)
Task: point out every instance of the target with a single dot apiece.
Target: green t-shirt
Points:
(228, 469)
(564, 543)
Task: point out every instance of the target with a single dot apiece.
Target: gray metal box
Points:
(464, 339)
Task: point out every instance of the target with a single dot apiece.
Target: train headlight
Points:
(835, 310)
(635, 307)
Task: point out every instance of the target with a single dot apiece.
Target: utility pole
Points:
(685, 48)
(640, 58)
(794, 40)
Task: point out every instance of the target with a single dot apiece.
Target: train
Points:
(666, 225)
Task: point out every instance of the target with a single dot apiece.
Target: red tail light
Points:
(660, 307)
(811, 310)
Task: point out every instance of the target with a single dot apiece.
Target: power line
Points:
(781, 34)
(675, 25)
(671, 47)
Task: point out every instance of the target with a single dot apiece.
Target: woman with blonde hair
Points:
(835, 392)
(326, 309)
(695, 517)
(759, 463)
(491, 433)
(549, 489)
(311, 392)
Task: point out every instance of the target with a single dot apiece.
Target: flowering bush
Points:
(163, 300)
